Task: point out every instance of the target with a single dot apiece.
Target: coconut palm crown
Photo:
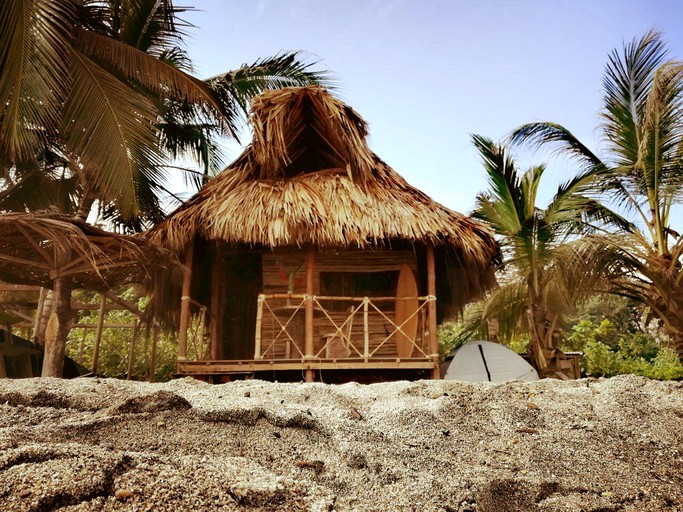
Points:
(95, 95)
(547, 266)
(641, 172)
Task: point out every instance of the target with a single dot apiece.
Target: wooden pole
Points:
(8, 341)
(98, 334)
(153, 359)
(57, 327)
(216, 318)
(308, 344)
(366, 330)
(131, 354)
(259, 320)
(185, 305)
(202, 352)
(431, 312)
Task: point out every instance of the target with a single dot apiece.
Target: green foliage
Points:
(450, 337)
(626, 314)
(453, 334)
(609, 351)
(519, 343)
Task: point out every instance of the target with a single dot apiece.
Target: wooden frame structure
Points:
(289, 328)
(23, 309)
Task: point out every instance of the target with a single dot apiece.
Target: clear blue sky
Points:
(426, 74)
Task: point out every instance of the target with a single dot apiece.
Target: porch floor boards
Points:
(250, 365)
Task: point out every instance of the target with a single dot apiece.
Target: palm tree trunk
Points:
(543, 347)
(58, 327)
(43, 315)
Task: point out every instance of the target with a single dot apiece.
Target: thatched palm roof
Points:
(309, 177)
(36, 248)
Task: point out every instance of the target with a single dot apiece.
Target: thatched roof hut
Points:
(309, 179)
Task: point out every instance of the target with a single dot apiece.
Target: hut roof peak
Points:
(300, 130)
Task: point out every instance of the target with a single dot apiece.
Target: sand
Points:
(102, 444)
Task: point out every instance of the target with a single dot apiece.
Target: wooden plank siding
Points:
(329, 261)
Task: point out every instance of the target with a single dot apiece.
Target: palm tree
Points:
(547, 267)
(98, 85)
(94, 95)
(642, 129)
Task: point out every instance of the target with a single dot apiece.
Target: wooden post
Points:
(308, 344)
(131, 354)
(153, 358)
(216, 317)
(366, 330)
(185, 305)
(202, 330)
(431, 312)
(98, 334)
(8, 341)
(259, 319)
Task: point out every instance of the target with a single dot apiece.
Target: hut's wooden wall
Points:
(355, 261)
(329, 261)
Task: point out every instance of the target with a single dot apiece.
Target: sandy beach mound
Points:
(95, 444)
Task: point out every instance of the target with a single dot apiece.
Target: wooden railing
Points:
(360, 328)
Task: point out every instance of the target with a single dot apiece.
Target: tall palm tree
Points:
(642, 163)
(97, 85)
(94, 94)
(547, 267)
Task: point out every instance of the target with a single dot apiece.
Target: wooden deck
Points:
(327, 370)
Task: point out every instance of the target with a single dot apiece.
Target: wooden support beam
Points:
(98, 334)
(4, 287)
(185, 305)
(8, 341)
(433, 342)
(217, 295)
(366, 330)
(258, 334)
(308, 325)
(123, 303)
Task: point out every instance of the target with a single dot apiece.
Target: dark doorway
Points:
(242, 282)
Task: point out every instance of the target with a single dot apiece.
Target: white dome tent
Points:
(485, 361)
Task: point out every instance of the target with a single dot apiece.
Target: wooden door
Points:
(242, 285)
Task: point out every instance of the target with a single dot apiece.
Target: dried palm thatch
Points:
(309, 177)
(36, 248)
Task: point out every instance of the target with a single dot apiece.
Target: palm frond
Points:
(111, 129)
(627, 82)
(34, 53)
(559, 139)
(148, 72)
(286, 69)
(503, 206)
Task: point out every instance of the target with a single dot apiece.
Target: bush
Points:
(608, 352)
